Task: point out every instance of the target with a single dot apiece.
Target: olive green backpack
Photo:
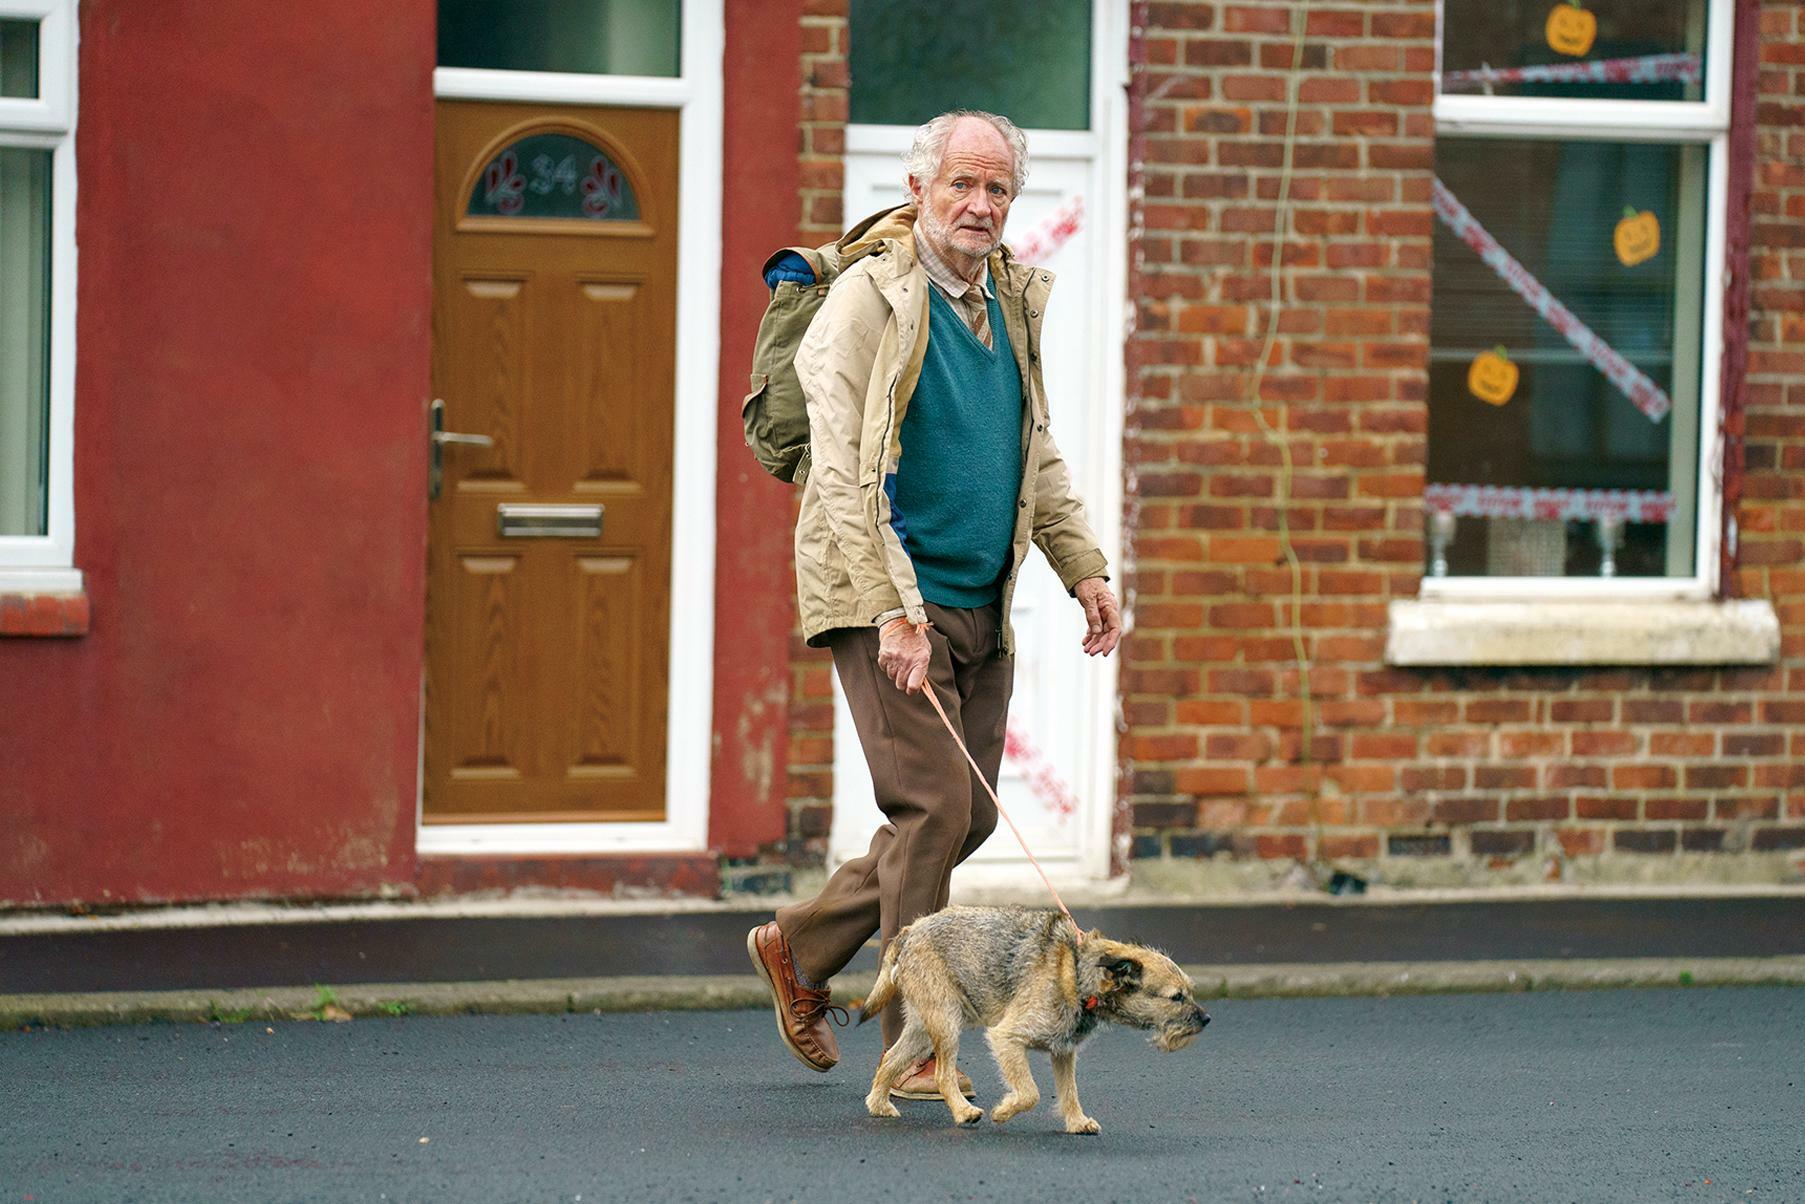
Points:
(774, 414)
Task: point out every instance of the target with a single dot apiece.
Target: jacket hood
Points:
(895, 224)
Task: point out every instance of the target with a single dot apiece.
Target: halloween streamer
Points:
(1630, 380)
(1043, 779)
(1053, 232)
(1645, 69)
(1513, 501)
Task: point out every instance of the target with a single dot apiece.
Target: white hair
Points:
(923, 157)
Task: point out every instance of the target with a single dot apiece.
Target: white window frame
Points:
(46, 563)
(1704, 122)
(696, 95)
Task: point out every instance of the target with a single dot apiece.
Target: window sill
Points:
(1616, 632)
(43, 614)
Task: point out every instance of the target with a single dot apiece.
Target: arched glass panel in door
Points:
(554, 175)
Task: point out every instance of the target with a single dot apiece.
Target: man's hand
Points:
(1102, 616)
(903, 652)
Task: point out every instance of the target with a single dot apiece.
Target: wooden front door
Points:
(554, 334)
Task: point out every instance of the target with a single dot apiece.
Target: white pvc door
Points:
(1058, 780)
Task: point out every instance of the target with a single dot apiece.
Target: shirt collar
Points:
(942, 274)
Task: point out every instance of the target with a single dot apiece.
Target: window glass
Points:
(554, 175)
(1029, 60)
(1621, 49)
(592, 37)
(19, 59)
(24, 335)
(1565, 364)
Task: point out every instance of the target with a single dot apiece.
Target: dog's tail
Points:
(884, 989)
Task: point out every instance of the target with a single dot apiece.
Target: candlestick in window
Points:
(1609, 532)
(1441, 537)
(1570, 29)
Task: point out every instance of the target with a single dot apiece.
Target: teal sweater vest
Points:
(953, 496)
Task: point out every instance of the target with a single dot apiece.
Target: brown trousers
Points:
(938, 811)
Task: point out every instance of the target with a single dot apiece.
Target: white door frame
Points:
(697, 96)
(1106, 212)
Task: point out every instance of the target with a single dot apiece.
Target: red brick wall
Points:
(1505, 768)
(825, 94)
(821, 148)
(1771, 556)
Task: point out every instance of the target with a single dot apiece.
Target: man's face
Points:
(963, 208)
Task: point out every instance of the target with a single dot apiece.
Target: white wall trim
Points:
(690, 726)
(539, 840)
(1596, 589)
(40, 581)
(47, 561)
(690, 714)
(1109, 100)
(1709, 506)
(554, 87)
(1548, 117)
(1541, 632)
(1058, 144)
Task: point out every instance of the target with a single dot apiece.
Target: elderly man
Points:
(932, 470)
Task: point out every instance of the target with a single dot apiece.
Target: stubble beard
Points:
(944, 235)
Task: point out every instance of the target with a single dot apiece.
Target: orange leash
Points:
(934, 698)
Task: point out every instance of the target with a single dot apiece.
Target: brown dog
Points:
(1028, 978)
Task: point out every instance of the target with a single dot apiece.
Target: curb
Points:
(27, 922)
(1481, 977)
(719, 993)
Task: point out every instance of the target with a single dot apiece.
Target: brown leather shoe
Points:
(802, 1012)
(919, 1084)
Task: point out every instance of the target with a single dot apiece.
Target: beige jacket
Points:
(858, 365)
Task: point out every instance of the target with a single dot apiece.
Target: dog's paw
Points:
(881, 1107)
(970, 1116)
(1010, 1106)
(1084, 1124)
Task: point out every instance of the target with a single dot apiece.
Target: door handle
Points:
(438, 438)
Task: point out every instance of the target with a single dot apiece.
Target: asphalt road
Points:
(1626, 1095)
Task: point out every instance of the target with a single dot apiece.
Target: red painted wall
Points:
(754, 581)
(252, 366)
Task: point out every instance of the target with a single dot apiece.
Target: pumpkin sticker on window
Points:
(1638, 237)
(1571, 29)
(1492, 378)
